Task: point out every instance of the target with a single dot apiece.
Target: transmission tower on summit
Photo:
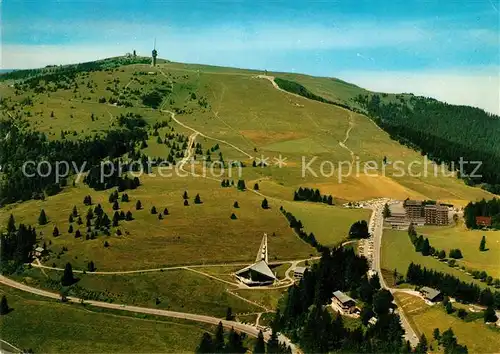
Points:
(154, 54)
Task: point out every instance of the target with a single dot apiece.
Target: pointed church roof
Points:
(259, 267)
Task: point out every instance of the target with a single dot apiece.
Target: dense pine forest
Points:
(20, 145)
(452, 286)
(305, 317)
(489, 208)
(444, 132)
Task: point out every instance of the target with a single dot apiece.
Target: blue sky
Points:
(446, 49)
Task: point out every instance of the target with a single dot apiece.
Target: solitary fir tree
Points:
(42, 219)
(4, 307)
(138, 205)
(482, 245)
(67, 278)
(197, 199)
(11, 224)
(265, 204)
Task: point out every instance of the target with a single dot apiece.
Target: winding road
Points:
(377, 222)
(245, 328)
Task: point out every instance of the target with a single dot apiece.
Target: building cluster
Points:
(418, 213)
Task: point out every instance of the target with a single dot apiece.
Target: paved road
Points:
(248, 329)
(376, 222)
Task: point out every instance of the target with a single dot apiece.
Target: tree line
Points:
(452, 286)
(312, 195)
(297, 226)
(304, 316)
(22, 145)
(490, 208)
(437, 130)
(16, 245)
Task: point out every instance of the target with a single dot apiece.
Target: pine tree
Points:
(55, 232)
(91, 266)
(436, 334)
(70, 219)
(265, 204)
(153, 210)
(426, 247)
(256, 186)
(236, 205)
(165, 211)
(42, 219)
(138, 205)
(219, 344)
(197, 199)
(11, 224)
(116, 206)
(229, 314)
(79, 221)
(233, 216)
(160, 216)
(4, 306)
(387, 212)
(78, 234)
(185, 195)
(70, 229)
(482, 245)
(206, 345)
(67, 278)
(489, 315)
(422, 345)
(186, 203)
(235, 344)
(449, 307)
(260, 345)
(75, 211)
(129, 217)
(106, 244)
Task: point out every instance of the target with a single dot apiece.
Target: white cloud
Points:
(478, 87)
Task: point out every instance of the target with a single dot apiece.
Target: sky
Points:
(445, 49)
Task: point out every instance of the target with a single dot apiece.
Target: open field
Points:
(267, 298)
(50, 326)
(177, 290)
(398, 252)
(194, 234)
(458, 236)
(426, 318)
(330, 224)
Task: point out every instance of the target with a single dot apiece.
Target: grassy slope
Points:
(458, 236)
(398, 253)
(427, 318)
(189, 235)
(251, 113)
(330, 224)
(49, 326)
(177, 290)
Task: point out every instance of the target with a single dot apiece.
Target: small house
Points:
(39, 252)
(346, 303)
(431, 294)
(484, 221)
(298, 272)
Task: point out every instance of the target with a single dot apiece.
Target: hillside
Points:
(174, 173)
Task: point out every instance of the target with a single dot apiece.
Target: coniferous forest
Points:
(489, 208)
(437, 130)
(304, 316)
(22, 145)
